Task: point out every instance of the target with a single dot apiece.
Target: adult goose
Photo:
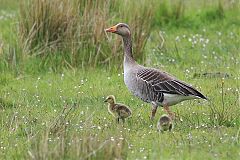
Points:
(151, 85)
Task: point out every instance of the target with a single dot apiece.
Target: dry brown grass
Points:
(75, 29)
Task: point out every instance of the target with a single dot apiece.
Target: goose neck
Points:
(111, 106)
(127, 42)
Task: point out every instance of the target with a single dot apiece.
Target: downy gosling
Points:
(120, 111)
(165, 123)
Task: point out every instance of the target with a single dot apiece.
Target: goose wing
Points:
(123, 110)
(161, 82)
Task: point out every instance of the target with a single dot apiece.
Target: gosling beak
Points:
(112, 29)
(105, 100)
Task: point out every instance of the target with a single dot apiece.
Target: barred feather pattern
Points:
(153, 84)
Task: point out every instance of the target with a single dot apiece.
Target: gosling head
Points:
(121, 29)
(110, 99)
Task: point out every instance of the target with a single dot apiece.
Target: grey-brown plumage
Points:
(165, 123)
(120, 111)
(151, 85)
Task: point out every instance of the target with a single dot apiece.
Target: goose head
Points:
(121, 29)
(110, 99)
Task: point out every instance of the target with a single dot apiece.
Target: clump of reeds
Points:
(73, 30)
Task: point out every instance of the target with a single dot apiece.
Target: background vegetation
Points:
(57, 64)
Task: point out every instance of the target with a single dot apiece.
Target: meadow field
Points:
(58, 65)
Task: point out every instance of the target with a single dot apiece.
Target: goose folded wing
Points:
(164, 83)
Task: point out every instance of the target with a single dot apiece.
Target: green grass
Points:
(34, 123)
(58, 113)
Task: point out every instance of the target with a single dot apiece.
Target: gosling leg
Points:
(118, 120)
(123, 120)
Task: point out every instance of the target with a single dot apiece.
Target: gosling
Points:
(165, 123)
(120, 111)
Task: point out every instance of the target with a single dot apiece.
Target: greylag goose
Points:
(151, 85)
(120, 111)
(165, 123)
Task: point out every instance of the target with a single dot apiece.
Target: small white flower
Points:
(82, 81)
(177, 38)
(112, 139)
(206, 41)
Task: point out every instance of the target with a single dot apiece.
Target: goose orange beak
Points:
(111, 29)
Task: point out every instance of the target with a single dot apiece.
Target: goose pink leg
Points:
(154, 110)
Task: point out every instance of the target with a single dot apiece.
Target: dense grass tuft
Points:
(72, 32)
(71, 140)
